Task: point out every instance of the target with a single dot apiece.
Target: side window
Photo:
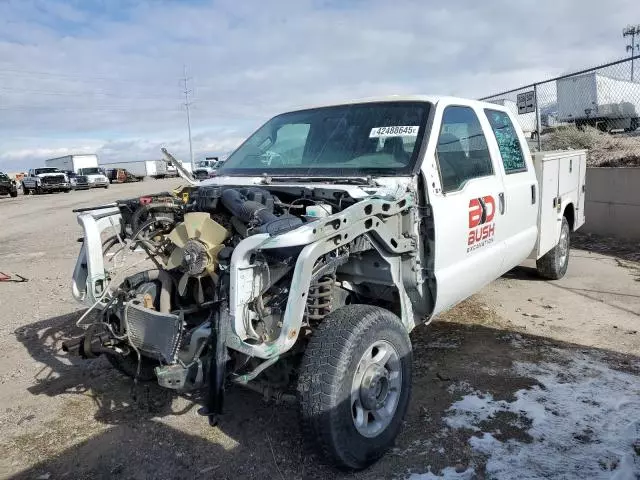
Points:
(508, 143)
(462, 149)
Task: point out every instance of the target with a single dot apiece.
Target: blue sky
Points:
(104, 76)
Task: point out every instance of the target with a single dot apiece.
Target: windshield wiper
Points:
(335, 180)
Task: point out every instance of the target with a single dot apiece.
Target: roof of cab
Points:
(434, 99)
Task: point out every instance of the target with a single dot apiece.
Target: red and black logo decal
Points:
(481, 225)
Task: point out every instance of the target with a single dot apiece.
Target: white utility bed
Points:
(561, 179)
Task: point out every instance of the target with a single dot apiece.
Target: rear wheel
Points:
(13, 193)
(25, 190)
(354, 385)
(553, 265)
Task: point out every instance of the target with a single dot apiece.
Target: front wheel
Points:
(25, 190)
(553, 265)
(128, 365)
(13, 193)
(354, 385)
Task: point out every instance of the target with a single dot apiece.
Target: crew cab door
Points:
(465, 189)
(520, 199)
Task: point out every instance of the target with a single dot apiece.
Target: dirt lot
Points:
(528, 379)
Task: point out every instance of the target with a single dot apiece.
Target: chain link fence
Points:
(596, 109)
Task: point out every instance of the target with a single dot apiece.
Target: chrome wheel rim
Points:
(376, 388)
(563, 246)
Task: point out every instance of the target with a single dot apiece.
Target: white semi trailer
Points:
(599, 101)
(144, 168)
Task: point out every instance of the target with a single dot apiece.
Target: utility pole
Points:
(632, 31)
(187, 103)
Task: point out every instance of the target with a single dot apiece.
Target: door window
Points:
(462, 149)
(508, 142)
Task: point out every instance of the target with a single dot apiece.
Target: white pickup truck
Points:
(46, 179)
(326, 237)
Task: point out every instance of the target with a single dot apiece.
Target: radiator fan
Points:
(197, 241)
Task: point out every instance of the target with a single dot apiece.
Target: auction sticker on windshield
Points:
(394, 131)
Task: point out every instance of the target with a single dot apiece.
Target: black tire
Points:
(13, 193)
(129, 366)
(553, 265)
(38, 190)
(25, 190)
(66, 190)
(327, 373)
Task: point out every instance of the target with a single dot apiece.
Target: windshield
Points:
(46, 170)
(362, 139)
(90, 171)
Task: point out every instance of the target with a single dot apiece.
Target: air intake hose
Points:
(244, 204)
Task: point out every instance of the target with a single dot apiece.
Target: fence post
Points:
(537, 105)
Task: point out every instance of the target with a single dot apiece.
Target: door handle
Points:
(501, 202)
(533, 194)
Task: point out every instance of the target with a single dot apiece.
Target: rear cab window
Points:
(508, 141)
(462, 150)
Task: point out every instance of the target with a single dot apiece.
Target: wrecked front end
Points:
(229, 287)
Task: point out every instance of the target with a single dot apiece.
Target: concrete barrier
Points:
(613, 202)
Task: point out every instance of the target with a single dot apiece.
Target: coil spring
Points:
(320, 298)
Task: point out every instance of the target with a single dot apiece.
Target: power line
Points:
(78, 93)
(77, 77)
(187, 104)
(118, 108)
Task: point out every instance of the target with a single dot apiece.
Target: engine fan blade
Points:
(213, 253)
(179, 235)
(175, 260)
(212, 233)
(193, 222)
(200, 293)
(182, 284)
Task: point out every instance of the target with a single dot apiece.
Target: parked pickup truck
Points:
(7, 185)
(207, 168)
(46, 179)
(325, 238)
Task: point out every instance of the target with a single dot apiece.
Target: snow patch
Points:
(448, 473)
(584, 423)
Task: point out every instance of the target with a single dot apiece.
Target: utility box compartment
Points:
(561, 177)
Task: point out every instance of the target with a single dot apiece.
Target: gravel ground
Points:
(66, 418)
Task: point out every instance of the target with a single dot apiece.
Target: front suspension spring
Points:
(320, 298)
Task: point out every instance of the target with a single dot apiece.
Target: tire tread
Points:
(325, 363)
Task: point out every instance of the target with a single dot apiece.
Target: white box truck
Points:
(73, 163)
(599, 101)
(144, 168)
(252, 287)
(85, 165)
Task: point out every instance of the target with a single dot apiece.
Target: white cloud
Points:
(109, 71)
